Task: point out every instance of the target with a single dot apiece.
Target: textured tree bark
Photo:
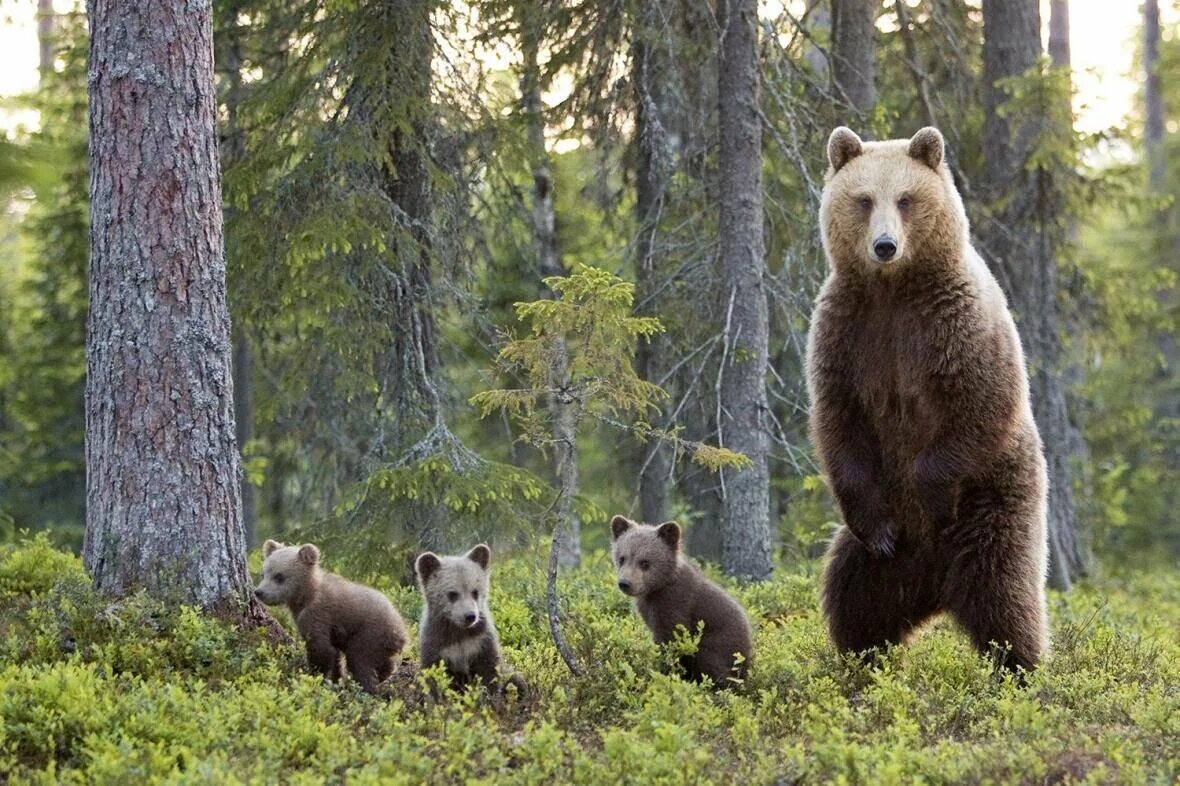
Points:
(409, 187)
(544, 229)
(1020, 243)
(163, 507)
(746, 547)
(653, 458)
(854, 62)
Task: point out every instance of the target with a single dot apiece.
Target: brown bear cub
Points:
(670, 592)
(334, 616)
(457, 628)
(920, 413)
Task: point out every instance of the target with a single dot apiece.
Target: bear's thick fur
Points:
(920, 413)
(457, 627)
(334, 616)
(670, 591)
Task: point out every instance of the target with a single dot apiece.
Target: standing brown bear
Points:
(920, 413)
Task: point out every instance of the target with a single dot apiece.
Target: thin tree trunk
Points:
(651, 170)
(702, 488)
(1153, 131)
(232, 151)
(1021, 243)
(46, 22)
(1059, 33)
(565, 541)
(544, 232)
(163, 497)
(243, 365)
(1166, 244)
(819, 22)
(742, 405)
(854, 62)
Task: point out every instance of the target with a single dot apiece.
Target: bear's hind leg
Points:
(995, 582)
(871, 602)
(364, 669)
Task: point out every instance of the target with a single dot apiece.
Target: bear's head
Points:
(888, 204)
(456, 588)
(645, 556)
(288, 573)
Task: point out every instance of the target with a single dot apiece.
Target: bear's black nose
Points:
(258, 593)
(625, 586)
(885, 248)
(470, 617)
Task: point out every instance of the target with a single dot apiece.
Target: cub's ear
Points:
(270, 547)
(481, 555)
(669, 532)
(427, 563)
(843, 146)
(619, 525)
(309, 554)
(928, 146)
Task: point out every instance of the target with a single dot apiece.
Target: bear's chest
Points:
(460, 655)
(892, 376)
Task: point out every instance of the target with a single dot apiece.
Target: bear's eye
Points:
(904, 203)
(621, 561)
(866, 203)
(452, 596)
(644, 564)
(475, 594)
(279, 578)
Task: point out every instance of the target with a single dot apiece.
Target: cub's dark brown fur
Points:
(670, 591)
(334, 616)
(920, 413)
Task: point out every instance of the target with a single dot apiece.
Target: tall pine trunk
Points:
(163, 497)
(854, 63)
(1021, 243)
(652, 166)
(742, 405)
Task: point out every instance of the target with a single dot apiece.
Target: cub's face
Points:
(286, 571)
(886, 203)
(456, 588)
(645, 556)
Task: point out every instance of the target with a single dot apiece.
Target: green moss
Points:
(93, 691)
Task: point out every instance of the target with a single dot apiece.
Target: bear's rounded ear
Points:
(481, 555)
(619, 525)
(426, 564)
(669, 532)
(928, 146)
(270, 547)
(843, 146)
(309, 554)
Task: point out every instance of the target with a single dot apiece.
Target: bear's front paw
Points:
(882, 540)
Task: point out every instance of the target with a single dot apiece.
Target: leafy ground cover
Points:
(96, 691)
